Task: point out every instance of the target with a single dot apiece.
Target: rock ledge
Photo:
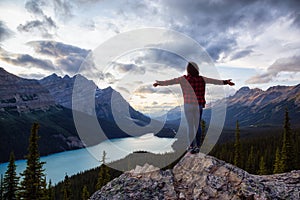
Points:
(200, 177)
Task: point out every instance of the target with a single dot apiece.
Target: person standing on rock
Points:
(193, 89)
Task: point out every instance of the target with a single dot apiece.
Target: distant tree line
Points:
(263, 155)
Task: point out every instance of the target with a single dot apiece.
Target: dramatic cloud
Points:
(224, 28)
(149, 89)
(131, 68)
(35, 7)
(217, 25)
(241, 54)
(236, 34)
(162, 58)
(67, 57)
(290, 64)
(25, 60)
(44, 27)
(296, 21)
(80, 2)
(63, 9)
(57, 49)
(123, 89)
(221, 47)
(89, 24)
(146, 89)
(4, 31)
(64, 57)
(154, 103)
(70, 63)
(113, 27)
(109, 78)
(259, 79)
(32, 75)
(42, 24)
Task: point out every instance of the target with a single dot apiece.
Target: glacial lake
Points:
(75, 161)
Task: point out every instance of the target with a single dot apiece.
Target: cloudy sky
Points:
(255, 43)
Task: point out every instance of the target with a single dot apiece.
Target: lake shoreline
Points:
(79, 160)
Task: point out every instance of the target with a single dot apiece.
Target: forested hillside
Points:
(262, 153)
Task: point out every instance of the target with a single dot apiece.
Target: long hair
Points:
(192, 69)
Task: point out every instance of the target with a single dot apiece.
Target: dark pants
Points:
(193, 114)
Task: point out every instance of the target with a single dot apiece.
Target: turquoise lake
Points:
(75, 161)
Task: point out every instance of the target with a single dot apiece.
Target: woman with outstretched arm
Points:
(193, 89)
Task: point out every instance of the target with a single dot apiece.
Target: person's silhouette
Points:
(193, 89)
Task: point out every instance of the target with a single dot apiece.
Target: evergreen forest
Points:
(264, 154)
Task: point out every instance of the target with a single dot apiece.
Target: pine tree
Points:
(262, 166)
(277, 168)
(45, 194)
(1, 187)
(32, 185)
(287, 154)
(67, 195)
(11, 180)
(104, 175)
(85, 193)
(250, 165)
(237, 147)
(51, 192)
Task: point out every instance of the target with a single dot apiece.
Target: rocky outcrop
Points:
(145, 182)
(200, 176)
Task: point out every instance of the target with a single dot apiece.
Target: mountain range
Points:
(49, 102)
(254, 107)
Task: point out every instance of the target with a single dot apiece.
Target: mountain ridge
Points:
(49, 102)
(29, 100)
(264, 107)
(22, 95)
(254, 107)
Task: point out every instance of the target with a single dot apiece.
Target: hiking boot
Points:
(190, 149)
(195, 150)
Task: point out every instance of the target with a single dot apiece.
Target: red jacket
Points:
(193, 88)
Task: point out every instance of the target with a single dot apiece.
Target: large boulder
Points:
(200, 176)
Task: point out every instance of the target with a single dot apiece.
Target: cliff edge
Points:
(200, 176)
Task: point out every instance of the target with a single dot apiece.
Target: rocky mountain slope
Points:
(22, 95)
(200, 176)
(255, 107)
(61, 88)
(49, 102)
(107, 100)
